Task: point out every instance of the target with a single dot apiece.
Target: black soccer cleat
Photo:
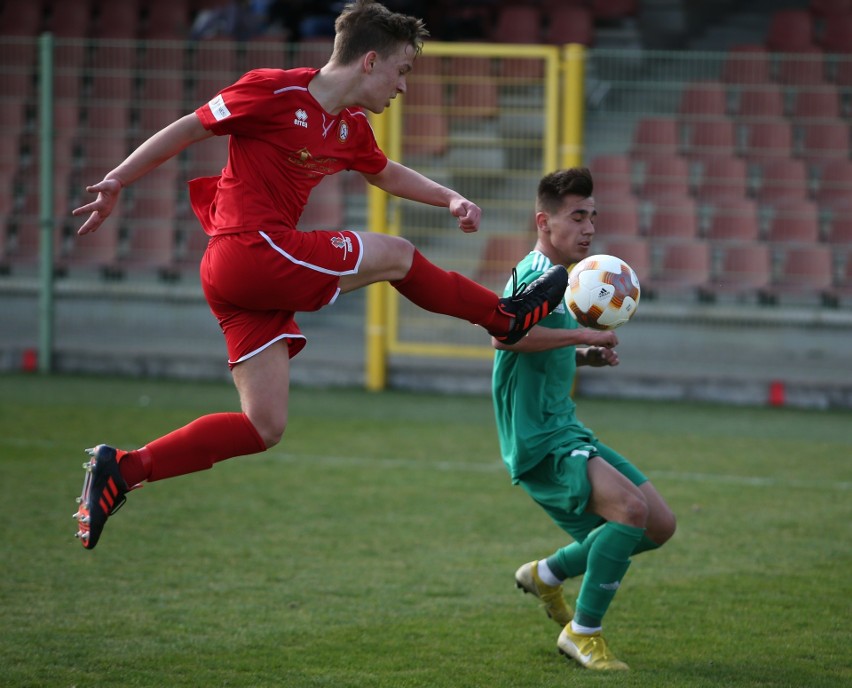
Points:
(529, 305)
(103, 494)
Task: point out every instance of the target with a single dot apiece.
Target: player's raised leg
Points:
(440, 291)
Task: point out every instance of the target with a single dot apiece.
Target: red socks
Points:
(449, 293)
(194, 447)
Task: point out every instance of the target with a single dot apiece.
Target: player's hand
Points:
(600, 356)
(467, 213)
(604, 338)
(101, 208)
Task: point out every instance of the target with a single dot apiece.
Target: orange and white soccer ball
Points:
(603, 292)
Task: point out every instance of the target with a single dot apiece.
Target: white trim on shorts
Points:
(317, 268)
(251, 354)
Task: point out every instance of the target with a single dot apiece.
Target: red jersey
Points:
(282, 145)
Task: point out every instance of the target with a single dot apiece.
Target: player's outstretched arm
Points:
(163, 145)
(403, 182)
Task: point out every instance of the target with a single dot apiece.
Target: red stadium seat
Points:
(790, 31)
(794, 222)
(783, 180)
(745, 269)
(704, 99)
(570, 24)
(723, 177)
(824, 140)
(517, 23)
(612, 175)
(665, 176)
(167, 20)
(324, 209)
(840, 230)
(769, 140)
(610, 10)
(835, 183)
(829, 9)
(636, 252)
(684, 266)
(474, 92)
(313, 52)
(22, 17)
(500, 255)
(656, 136)
(816, 104)
(805, 272)
(618, 216)
(674, 218)
(70, 19)
(807, 67)
(761, 101)
(710, 138)
(734, 219)
(262, 52)
(117, 19)
(837, 33)
(746, 64)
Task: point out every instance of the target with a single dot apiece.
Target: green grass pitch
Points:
(376, 546)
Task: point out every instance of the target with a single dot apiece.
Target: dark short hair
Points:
(366, 25)
(553, 187)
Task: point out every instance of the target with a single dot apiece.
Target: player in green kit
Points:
(607, 506)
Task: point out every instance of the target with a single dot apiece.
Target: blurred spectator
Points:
(239, 19)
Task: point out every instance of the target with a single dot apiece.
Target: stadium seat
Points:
(151, 242)
(840, 229)
(744, 269)
(655, 136)
(684, 266)
(517, 23)
(106, 86)
(612, 176)
(324, 209)
(837, 33)
(674, 218)
(312, 52)
(746, 64)
(618, 216)
(824, 140)
(570, 24)
(665, 176)
(117, 19)
(167, 20)
(835, 183)
(474, 91)
(829, 9)
(794, 222)
(734, 219)
(804, 272)
(22, 17)
(162, 59)
(723, 177)
(769, 140)
(707, 138)
(612, 10)
(263, 52)
(207, 158)
(790, 31)
(215, 58)
(782, 180)
(70, 19)
(114, 55)
(636, 252)
(760, 101)
(425, 134)
(704, 99)
(804, 68)
(500, 255)
(816, 104)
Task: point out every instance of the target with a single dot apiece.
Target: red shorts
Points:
(255, 282)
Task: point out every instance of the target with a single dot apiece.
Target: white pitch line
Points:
(497, 466)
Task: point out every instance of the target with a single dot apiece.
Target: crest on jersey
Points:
(343, 131)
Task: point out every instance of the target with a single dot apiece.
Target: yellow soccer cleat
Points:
(590, 651)
(526, 578)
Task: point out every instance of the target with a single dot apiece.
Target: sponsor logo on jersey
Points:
(343, 131)
(301, 118)
(218, 108)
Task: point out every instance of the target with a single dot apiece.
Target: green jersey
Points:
(532, 391)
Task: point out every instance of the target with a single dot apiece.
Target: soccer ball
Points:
(603, 292)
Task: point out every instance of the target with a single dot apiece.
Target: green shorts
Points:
(560, 483)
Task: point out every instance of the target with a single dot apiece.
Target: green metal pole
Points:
(45, 109)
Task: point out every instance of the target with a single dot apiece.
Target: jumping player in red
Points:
(288, 129)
